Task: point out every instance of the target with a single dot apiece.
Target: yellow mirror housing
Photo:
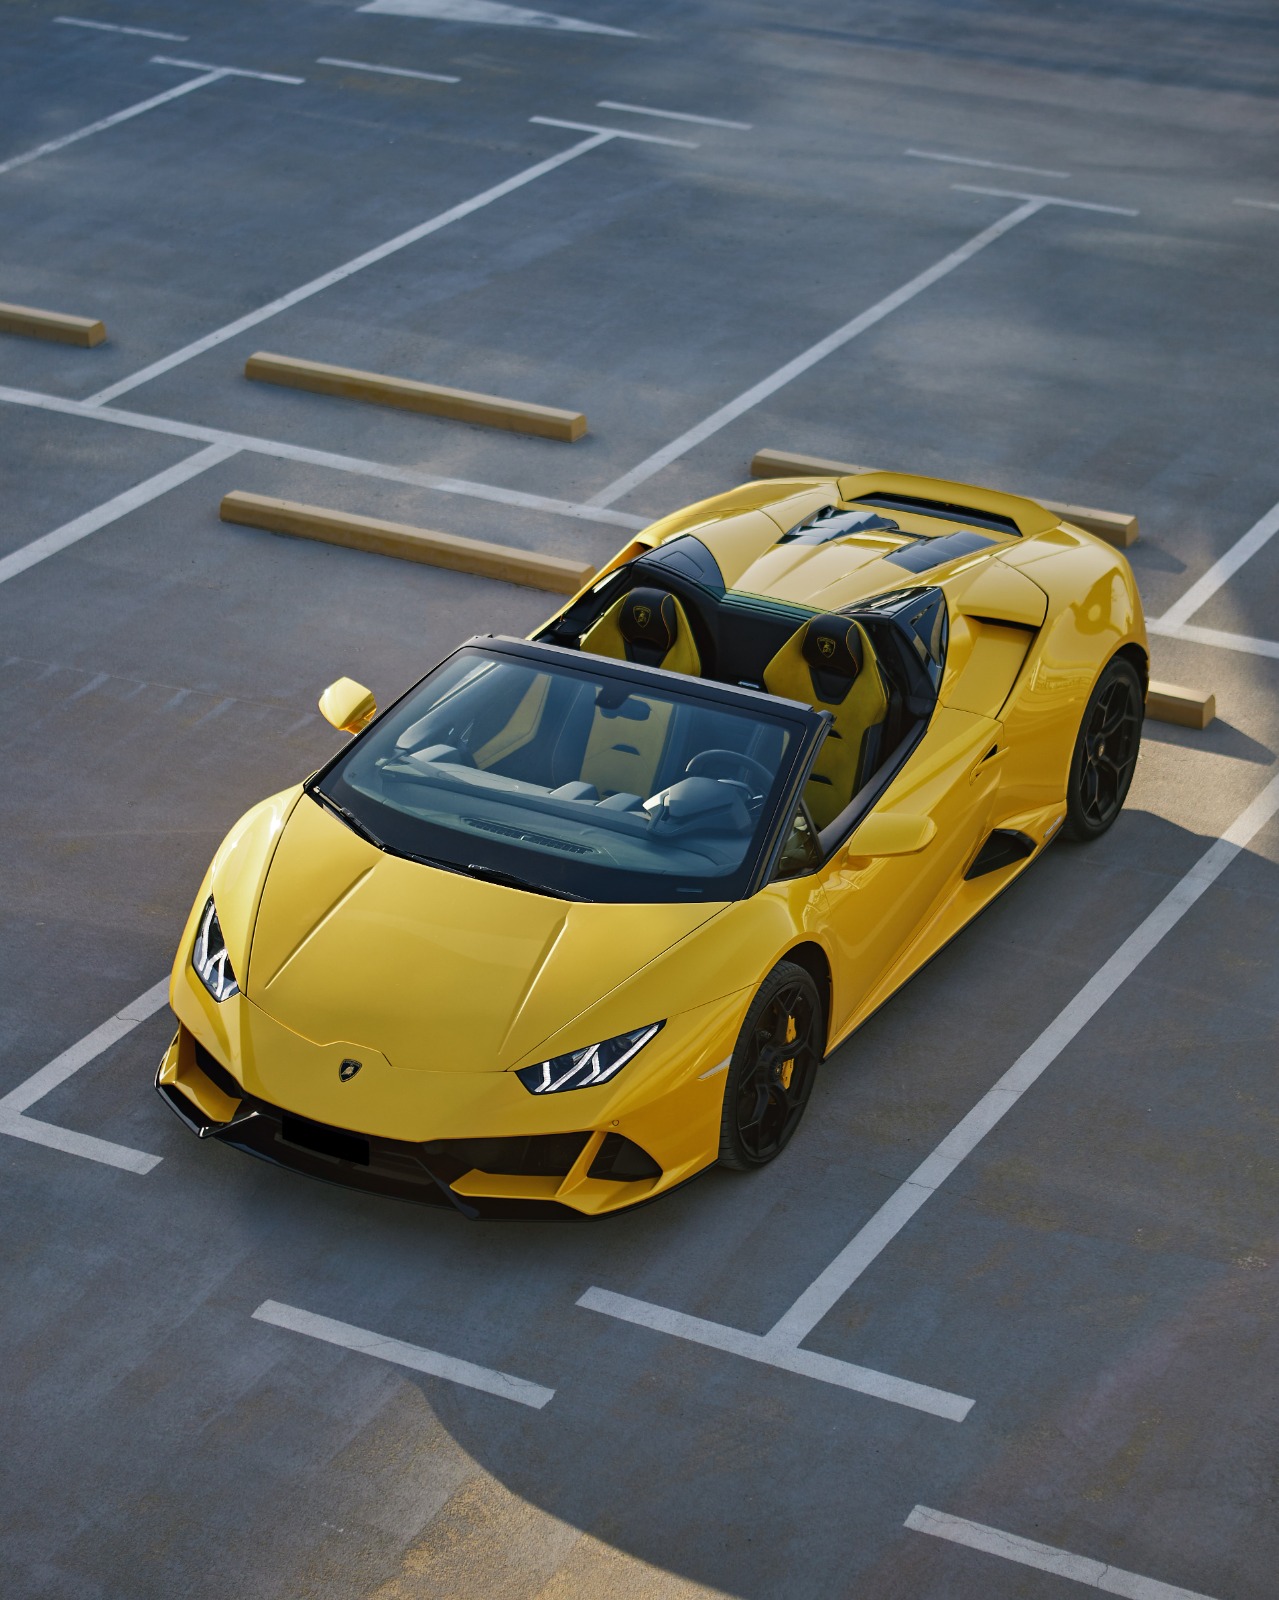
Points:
(891, 833)
(348, 705)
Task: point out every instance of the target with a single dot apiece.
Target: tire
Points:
(766, 1091)
(1105, 754)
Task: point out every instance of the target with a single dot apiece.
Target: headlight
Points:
(583, 1069)
(209, 957)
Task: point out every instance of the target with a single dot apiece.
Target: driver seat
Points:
(648, 627)
(831, 664)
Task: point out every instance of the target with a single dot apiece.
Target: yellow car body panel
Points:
(440, 987)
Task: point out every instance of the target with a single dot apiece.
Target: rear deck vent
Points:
(933, 552)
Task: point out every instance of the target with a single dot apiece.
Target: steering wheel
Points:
(696, 768)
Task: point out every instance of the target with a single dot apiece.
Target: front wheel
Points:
(1105, 754)
(771, 1074)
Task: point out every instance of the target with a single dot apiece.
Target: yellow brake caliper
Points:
(792, 1033)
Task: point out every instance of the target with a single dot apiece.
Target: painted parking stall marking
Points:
(672, 116)
(229, 444)
(226, 72)
(113, 120)
(390, 72)
(366, 258)
(115, 27)
(413, 1356)
(613, 133)
(29, 555)
(780, 1346)
(977, 161)
(14, 1106)
(1044, 1557)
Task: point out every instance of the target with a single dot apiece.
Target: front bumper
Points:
(500, 1152)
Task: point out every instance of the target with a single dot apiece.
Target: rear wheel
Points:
(771, 1074)
(1105, 754)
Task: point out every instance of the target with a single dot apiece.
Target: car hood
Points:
(437, 970)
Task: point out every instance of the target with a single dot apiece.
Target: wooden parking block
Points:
(786, 464)
(1188, 708)
(407, 394)
(1115, 527)
(512, 565)
(55, 325)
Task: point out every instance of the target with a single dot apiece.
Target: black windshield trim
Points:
(805, 723)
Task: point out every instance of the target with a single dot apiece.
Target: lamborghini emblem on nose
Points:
(826, 647)
(348, 1069)
(643, 616)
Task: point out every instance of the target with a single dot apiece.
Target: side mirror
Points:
(891, 833)
(348, 705)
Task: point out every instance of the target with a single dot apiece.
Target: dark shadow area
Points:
(1218, 738)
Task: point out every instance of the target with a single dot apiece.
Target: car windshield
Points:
(573, 776)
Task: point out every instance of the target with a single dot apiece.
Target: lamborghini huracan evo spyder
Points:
(580, 915)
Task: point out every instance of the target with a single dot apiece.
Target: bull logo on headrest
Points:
(643, 616)
(825, 647)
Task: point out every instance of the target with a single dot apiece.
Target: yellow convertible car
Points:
(580, 915)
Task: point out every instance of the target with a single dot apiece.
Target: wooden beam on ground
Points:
(529, 567)
(56, 325)
(1115, 527)
(1188, 708)
(515, 416)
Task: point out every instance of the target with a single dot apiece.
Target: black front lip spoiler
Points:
(395, 1169)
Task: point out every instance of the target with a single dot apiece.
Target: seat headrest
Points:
(649, 623)
(832, 648)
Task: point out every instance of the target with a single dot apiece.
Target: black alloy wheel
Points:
(774, 1064)
(1105, 755)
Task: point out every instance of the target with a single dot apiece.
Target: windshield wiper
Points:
(352, 821)
(509, 881)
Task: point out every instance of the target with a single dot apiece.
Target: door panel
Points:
(877, 908)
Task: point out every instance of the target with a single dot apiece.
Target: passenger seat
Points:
(831, 664)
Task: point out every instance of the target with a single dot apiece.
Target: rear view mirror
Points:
(891, 833)
(348, 705)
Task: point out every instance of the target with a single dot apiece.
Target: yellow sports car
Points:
(580, 915)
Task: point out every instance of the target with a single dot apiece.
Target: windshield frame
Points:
(805, 724)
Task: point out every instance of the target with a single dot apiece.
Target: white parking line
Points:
(227, 72)
(390, 72)
(974, 161)
(810, 357)
(110, 122)
(613, 133)
(770, 1353)
(15, 1105)
(1218, 637)
(1047, 199)
(80, 527)
(1045, 1557)
(278, 450)
(414, 1356)
(1223, 569)
(779, 1346)
(115, 27)
(673, 116)
(1261, 205)
(326, 280)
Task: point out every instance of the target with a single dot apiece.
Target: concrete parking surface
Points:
(1065, 222)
